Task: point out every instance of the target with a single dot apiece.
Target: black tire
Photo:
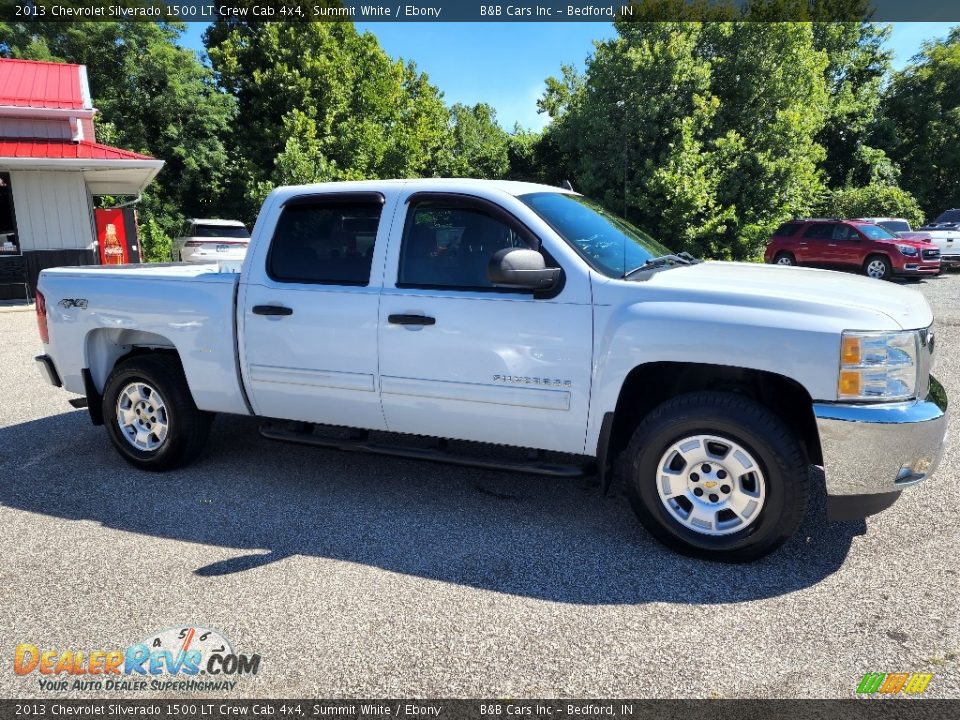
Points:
(187, 427)
(765, 436)
(784, 258)
(887, 267)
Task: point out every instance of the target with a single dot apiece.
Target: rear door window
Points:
(787, 230)
(325, 241)
(819, 231)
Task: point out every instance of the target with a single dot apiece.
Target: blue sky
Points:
(505, 64)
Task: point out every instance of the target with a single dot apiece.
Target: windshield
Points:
(220, 231)
(950, 216)
(875, 232)
(895, 226)
(610, 244)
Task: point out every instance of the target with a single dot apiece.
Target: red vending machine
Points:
(117, 235)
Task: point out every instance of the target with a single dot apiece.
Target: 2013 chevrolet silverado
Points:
(517, 315)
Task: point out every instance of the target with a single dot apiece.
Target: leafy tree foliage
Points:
(707, 133)
(921, 125)
(876, 200)
(478, 146)
(320, 101)
(702, 133)
(857, 66)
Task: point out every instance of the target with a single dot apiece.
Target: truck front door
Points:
(462, 359)
(309, 335)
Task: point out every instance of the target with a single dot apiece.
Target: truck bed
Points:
(96, 312)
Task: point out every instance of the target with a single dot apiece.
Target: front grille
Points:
(932, 254)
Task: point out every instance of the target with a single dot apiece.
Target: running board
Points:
(362, 444)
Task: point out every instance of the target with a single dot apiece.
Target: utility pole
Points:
(626, 110)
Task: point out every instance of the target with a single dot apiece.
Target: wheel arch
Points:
(106, 347)
(648, 385)
(877, 254)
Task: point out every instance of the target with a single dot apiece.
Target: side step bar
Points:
(362, 444)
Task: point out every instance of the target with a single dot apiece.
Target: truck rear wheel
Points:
(150, 414)
(717, 476)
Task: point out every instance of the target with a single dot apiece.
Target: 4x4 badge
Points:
(67, 303)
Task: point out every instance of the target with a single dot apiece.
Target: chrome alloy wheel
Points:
(142, 416)
(784, 260)
(711, 485)
(876, 269)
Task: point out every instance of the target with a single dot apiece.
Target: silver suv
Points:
(212, 240)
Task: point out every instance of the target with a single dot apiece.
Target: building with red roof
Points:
(51, 168)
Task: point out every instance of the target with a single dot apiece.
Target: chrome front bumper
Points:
(881, 448)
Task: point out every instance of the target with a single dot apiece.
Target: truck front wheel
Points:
(150, 414)
(717, 476)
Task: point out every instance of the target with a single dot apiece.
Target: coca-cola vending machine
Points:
(117, 235)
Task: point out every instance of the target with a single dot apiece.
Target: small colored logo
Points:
(893, 683)
(185, 658)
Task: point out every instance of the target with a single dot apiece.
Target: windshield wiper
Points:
(683, 258)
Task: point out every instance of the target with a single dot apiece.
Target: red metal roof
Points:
(64, 150)
(27, 83)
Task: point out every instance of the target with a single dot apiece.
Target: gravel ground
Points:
(357, 575)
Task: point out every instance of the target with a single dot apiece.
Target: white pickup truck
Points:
(524, 316)
(944, 232)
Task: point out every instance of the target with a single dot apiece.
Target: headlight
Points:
(878, 365)
(908, 250)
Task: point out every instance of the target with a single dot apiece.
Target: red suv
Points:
(851, 244)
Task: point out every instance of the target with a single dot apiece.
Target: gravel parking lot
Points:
(356, 575)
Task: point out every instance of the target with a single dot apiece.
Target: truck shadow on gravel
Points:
(558, 540)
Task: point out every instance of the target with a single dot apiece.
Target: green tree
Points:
(153, 97)
(478, 147)
(875, 200)
(858, 64)
(921, 124)
(320, 101)
(702, 133)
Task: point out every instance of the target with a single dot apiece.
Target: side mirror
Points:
(522, 269)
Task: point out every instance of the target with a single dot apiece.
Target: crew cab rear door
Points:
(462, 359)
(309, 311)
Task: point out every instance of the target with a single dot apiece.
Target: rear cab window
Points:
(327, 240)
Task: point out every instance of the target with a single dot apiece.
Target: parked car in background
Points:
(944, 232)
(851, 245)
(211, 241)
(898, 226)
(948, 220)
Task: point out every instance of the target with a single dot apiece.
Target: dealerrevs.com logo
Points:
(177, 659)
(894, 683)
